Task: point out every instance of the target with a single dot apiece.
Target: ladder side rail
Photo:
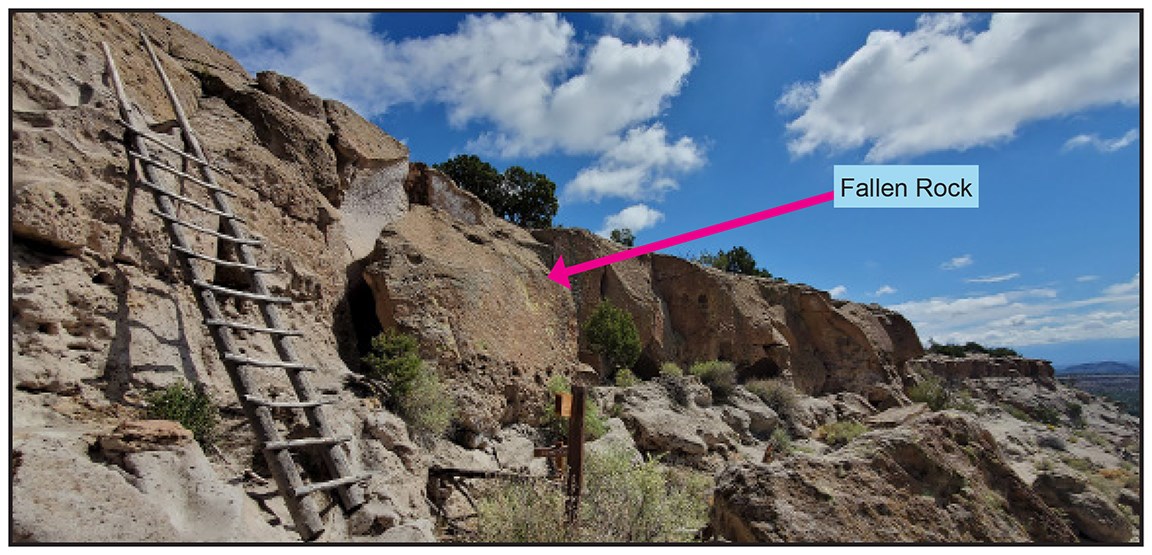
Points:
(337, 462)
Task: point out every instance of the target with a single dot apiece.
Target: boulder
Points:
(146, 435)
(938, 478)
(1089, 512)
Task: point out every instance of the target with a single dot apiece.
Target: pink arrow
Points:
(560, 272)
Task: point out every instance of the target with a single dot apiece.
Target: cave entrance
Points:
(356, 323)
(763, 369)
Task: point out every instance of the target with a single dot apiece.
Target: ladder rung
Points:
(249, 327)
(331, 484)
(188, 201)
(164, 144)
(306, 442)
(242, 294)
(220, 262)
(287, 405)
(157, 163)
(267, 363)
(201, 229)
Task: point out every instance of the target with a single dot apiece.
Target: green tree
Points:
(531, 198)
(624, 236)
(612, 334)
(736, 260)
(525, 198)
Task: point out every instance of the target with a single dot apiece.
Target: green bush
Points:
(414, 391)
(719, 376)
(622, 501)
(840, 433)
(963, 401)
(623, 236)
(626, 378)
(971, 347)
(780, 442)
(612, 334)
(1047, 415)
(736, 260)
(671, 369)
(778, 395)
(192, 409)
(930, 389)
(395, 361)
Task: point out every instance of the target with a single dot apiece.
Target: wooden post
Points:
(575, 481)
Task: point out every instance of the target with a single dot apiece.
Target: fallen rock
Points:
(615, 439)
(146, 435)
(417, 531)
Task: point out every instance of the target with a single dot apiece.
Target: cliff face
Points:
(687, 313)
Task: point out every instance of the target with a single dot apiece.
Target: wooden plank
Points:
(221, 262)
(202, 229)
(149, 159)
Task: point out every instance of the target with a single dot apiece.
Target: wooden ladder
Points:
(154, 174)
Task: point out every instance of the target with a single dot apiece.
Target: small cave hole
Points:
(50, 328)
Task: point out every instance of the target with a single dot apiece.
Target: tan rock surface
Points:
(938, 478)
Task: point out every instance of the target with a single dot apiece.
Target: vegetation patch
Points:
(413, 391)
(623, 501)
(671, 369)
(192, 409)
(612, 334)
(969, 348)
(839, 434)
(626, 378)
(930, 389)
(718, 375)
(778, 395)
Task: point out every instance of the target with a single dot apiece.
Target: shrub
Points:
(427, 407)
(395, 361)
(1052, 441)
(1017, 412)
(414, 391)
(780, 442)
(623, 236)
(779, 396)
(192, 409)
(1047, 415)
(612, 334)
(930, 389)
(626, 378)
(963, 401)
(522, 512)
(622, 501)
(671, 369)
(736, 260)
(1075, 412)
(840, 433)
(719, 376)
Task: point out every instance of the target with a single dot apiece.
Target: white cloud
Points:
(648, 24)
(944, 86)
(1087, 278)
(993, 279)
(884, 290)
(1103, 145)
(1126, 288)
(838, 291)
(1023, 317)
(637, 217)
(958, 262)
(525, 75)
(640, 166)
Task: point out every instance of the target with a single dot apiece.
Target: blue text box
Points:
(906, 186)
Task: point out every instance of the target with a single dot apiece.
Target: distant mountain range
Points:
(1106, 367)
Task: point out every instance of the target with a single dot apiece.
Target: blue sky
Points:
(669, 122)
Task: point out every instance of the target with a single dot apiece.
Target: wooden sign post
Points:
(575, 481)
